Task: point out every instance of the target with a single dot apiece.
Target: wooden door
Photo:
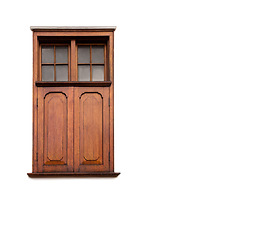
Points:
(55, 129)
(91, 129)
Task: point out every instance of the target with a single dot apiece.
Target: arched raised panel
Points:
(91, 128)
(55, 128)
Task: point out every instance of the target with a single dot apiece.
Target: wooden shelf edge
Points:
(60, 174)
(77, 84)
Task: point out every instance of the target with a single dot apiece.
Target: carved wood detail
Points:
(55, 128)
(91, 128)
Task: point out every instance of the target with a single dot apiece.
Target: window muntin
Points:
(55, 62)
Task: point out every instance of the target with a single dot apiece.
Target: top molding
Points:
(72, 28)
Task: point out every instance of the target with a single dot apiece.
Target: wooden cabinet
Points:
(73, 101)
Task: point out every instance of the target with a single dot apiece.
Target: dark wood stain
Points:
(73, 122)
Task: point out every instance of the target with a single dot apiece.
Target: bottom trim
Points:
(63, 174)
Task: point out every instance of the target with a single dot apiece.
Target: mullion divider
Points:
(54, 63)
(91, 63)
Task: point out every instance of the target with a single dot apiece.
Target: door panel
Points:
(55, 129)
(91, 132)
(55, 118)
(91, 129)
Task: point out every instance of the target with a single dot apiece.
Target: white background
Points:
(186, 124)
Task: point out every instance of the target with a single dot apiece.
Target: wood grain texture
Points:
(55, 135)
(73, 122)
(73, 61)
(74, 34)
(55, 128)
(35, 96)
(91, 129)
(111, 97)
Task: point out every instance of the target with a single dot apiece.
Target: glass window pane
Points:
(97, 54)
(47, 54)
(47, 73)
(83, 73)
(97, 73)
(61, 54)
(61, 73)
(83, 54)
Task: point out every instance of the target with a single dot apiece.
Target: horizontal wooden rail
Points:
(75, 84)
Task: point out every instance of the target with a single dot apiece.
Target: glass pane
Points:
(47, 54)
(97, 54)
(47, 73)
(97, 73)
(83, 73)
(61, 54)
(61, 73)
(83, 54)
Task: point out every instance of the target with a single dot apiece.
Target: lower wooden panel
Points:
(73, 130)
(91, 129)
(55, 129)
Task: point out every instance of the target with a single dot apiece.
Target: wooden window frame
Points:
(70, 63)
(75, 35)
(73, 42)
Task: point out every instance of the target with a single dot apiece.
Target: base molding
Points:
(72, 174)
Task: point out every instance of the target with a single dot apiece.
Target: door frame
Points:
(39, 33)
